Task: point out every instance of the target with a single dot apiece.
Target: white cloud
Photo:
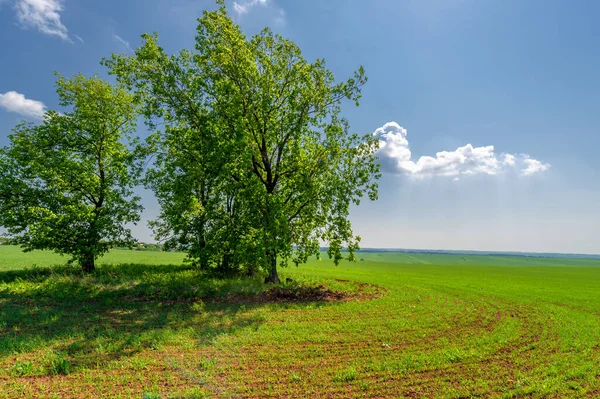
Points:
(509, 160)
(534, 166)
(122, 42)
(16, 102)
(79, 38)
(43, 15)
(244, 7)
(395, 157)
(274, 14)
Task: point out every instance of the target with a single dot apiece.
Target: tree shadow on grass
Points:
(120, 310)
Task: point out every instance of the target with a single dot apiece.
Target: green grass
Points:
(449, 326)
(458, 259)
(12, 258)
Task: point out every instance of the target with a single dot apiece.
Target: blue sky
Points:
(487, 111)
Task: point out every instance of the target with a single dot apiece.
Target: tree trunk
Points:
(225, 265)
(273, 277)
(203, 258)
(225, 262)
(88, 263)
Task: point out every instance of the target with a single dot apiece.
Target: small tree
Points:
(66, 184)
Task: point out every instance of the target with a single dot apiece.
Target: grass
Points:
(448, 326)
(12, 258)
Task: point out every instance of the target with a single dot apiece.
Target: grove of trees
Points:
(249, 157)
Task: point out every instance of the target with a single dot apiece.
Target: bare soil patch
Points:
(354, 291)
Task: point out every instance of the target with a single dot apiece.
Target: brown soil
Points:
(304, 294)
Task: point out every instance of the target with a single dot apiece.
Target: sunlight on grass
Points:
(162, 329)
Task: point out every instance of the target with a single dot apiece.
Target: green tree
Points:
(67, 183)
(272, 119)
(193, 174)
(307, 168)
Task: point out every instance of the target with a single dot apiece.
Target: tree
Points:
(193, 171)
(285, 154)
(66, 184)
(307, 168)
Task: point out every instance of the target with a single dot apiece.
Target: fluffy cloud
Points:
(43, 15)
(534, 166)
(509, 160)
(244, 7)
(16, 102)
(395, 157)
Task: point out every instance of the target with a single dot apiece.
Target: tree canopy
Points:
(254, 161)
(66, 184)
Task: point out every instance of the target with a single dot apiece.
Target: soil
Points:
(304, 294)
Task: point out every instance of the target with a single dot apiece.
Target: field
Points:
(448, 326)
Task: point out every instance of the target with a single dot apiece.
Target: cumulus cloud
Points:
(245, 6)
(43, 15)
(122, 42)
(395, 157)
(16, 102)
(534, 166)
(509, 160)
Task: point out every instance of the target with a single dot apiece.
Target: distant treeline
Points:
(142, 246)
(481, 253)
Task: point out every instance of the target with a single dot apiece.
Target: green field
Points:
(449, 326)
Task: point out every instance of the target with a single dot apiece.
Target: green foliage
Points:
(254, 161)
(66, 184)
(191, 174)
